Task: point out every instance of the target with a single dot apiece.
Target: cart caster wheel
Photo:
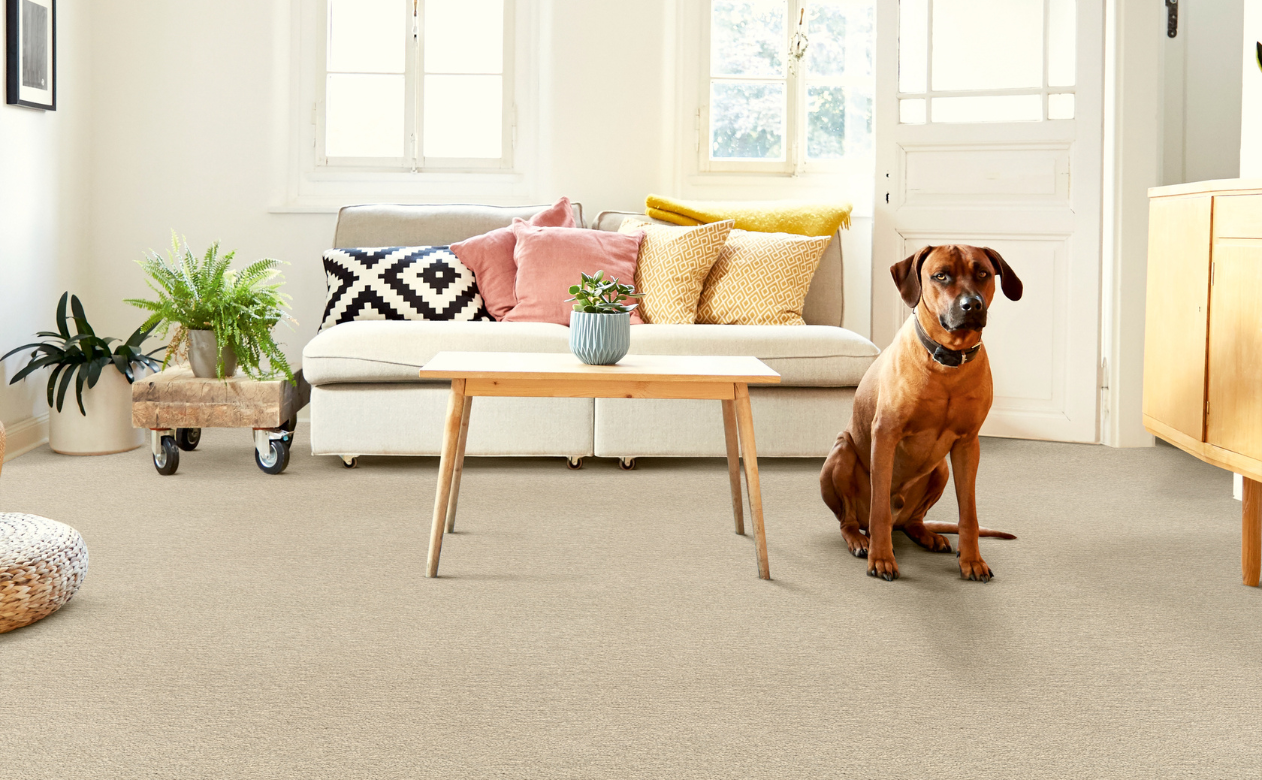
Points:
(277, 457)
(574, 464)
(350, 463)
(169, 460)
(187, 439)
(288, 428)
(626, 464)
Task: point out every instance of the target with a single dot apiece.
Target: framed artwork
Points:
(31, 53)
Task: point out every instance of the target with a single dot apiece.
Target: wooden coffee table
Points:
(561, 375)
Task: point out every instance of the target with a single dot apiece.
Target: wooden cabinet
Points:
(1203, 334)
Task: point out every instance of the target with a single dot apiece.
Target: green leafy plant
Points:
(598, 295)
(241, 307)
(83, 356)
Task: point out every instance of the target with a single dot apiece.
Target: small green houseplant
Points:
(101, 369)
(600, 324)
(221, 317)
(82, 357)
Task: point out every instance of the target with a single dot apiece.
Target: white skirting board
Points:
(24, 436)
(1237, 487)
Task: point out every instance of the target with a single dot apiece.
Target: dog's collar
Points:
(952, 358)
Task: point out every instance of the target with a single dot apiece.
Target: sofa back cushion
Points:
(550, 260)
(427, 225)
(824, 299)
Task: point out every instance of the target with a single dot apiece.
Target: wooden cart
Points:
(175, 405)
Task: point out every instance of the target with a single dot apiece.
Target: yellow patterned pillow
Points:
(672, 268)
(760, 279)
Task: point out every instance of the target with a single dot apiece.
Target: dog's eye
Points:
(982, 274)
(941, 277)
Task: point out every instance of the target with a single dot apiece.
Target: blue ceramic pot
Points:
(600, 339)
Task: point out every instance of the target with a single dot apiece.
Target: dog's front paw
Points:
(883, 567)
(976, 570)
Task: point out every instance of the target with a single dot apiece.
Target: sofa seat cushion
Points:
(804, 355)
(391, 351)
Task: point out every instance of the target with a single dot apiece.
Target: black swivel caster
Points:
(169, 460)
(277, 457)
(626, 464)
(574, 464)
(187, 439)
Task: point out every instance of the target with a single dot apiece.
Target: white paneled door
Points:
(988, 132)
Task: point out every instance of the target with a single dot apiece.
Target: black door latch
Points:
(1172, 18)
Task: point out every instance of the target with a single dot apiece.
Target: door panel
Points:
(1235, 371)
(1029, 189)
(1238, 216)
(1177, 302)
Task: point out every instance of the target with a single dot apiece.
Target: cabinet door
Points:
(1177, 312)
(1235, 347)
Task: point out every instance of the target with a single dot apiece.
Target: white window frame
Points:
(303, 183)
(414, 105)
(795, 162)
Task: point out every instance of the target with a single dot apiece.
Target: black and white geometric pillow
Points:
(399, 283)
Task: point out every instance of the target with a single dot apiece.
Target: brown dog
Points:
(924, 398)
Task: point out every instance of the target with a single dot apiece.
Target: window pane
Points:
(464, 36)
(1060, 106)
(987, 44)
(913, 45)
(367, 36)
(912, 112)
(747, 38)
(363, 116)
(1062, 39)
(839, 122)
(997, 108)
(747, 120)
(840, 36)
(463, 117)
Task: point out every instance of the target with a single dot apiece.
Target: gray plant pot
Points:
(202, 354)
(600, 339)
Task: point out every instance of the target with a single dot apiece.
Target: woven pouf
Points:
(42, 564)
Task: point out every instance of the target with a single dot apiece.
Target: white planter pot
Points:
(107, 427)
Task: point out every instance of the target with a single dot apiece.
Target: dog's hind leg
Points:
(915, 528)
(837, 484)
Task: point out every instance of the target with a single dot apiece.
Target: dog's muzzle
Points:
(967, 312)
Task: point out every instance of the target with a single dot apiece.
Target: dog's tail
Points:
(954, 528)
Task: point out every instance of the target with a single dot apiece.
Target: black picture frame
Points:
(31, 53)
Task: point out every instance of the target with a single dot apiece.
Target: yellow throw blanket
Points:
(772, 216)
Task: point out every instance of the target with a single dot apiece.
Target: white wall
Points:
(44, 158)
(1202, 107)
(1251, 92)
(187, 97)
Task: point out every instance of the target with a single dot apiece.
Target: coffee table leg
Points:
(455, 477)
(745, 420)
(446, 466)
(733, 462)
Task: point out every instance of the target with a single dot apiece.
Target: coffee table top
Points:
(559, 365)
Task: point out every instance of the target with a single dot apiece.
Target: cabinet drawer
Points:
(1238, 216)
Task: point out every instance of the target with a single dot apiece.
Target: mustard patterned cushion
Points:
(672, 268)
(760, 279)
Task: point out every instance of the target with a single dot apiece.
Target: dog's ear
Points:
(906, 275)
(1008, 281)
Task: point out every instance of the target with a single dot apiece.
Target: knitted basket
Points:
(42, 565)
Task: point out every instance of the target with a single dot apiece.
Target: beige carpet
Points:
(609, 624)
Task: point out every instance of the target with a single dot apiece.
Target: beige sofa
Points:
(366, 397)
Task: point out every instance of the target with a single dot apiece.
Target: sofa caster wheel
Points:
(626, 464)
(574, 464)
(349, 462)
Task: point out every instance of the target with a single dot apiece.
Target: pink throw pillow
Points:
(490, 257)
(550, 259)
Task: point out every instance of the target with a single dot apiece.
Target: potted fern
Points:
(101, 370)
(222, 318)
(600, 324)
